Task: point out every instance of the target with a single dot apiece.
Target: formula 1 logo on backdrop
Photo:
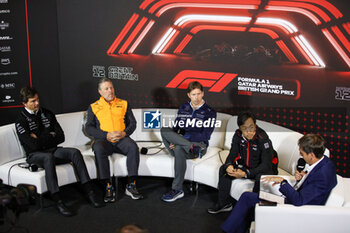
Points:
(152, 119)
(217, 81)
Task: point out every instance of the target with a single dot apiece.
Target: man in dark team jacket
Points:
(189, 138)
(251, 155)
(40, 133)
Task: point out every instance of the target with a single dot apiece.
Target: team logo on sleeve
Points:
(152, 119)
(266, 145)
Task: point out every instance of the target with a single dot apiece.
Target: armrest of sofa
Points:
(292, 219)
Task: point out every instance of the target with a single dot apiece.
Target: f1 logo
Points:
(152, 119)
(217, 81)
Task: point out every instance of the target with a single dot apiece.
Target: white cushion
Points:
(10, 148)
(161, 164)
(336, 197)
(73, 127)
(12, 174)
(301, 219)
(207, 172)
(230, 131)
(346, 183)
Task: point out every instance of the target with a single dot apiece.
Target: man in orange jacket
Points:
(110, 121)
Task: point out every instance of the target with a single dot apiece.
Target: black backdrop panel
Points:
(242, 65)
(14, 56)
(103, 39)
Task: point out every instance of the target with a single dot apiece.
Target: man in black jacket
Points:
(251, 155)
(40, 133)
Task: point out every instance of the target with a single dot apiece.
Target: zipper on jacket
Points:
(248, 154)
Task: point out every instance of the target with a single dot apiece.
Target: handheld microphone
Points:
(144, 150)
(301, 164)
(31, 167)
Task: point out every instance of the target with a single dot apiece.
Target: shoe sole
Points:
(174, 199)
(109, 200)
(220, 211)
(132, 196)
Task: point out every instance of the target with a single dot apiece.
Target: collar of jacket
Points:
(113, 103)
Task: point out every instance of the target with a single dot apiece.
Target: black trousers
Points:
(126, 146)
(224, 186)
(50, 158)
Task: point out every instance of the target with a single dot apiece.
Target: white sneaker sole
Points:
(130, 195)
(227, 209)
(174, 199)
(109, 200)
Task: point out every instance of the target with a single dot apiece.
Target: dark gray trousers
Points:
(50, 158)
(181, 153)
(126, 146)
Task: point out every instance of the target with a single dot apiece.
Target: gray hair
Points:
(102, 80)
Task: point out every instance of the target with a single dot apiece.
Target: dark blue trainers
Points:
(173, 195)
(197, 151)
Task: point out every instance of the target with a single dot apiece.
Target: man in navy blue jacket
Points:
(189, 138)
(314, 189)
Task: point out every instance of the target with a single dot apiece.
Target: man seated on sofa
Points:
(188, 140)
(251, 155)
(40, 133)
(313, 187)
(110, 122)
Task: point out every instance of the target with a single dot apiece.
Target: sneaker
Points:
(132, 191)
(218, 209)
(110, 194)
(197, 150)
(173, 195)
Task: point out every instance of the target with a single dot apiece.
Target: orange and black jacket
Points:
(257, 155)
(104, 117)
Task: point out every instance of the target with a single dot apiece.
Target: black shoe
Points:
(94, 200)
(132, 191)
(218, 208)
(110, 194)
(63, 209)
(197, 151)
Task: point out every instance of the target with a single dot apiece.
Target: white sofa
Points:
(204, 170)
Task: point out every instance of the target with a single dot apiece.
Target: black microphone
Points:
(301, 164)
(144, 150)
(33, 167)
